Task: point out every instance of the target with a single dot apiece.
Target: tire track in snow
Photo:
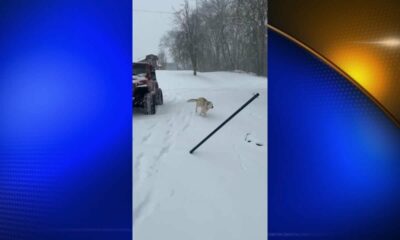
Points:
(138, 166)
(160, 138)
(148, 167)
(146, 137)
(145, 208)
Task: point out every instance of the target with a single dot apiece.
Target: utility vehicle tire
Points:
(159, 97)
(149, 104)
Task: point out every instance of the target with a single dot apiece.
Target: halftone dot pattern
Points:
(329, 89)
(333, 153)
(26, 175)
(66, 120)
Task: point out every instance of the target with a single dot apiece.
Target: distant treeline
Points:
(218, 35)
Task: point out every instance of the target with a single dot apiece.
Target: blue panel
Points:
(65, 126)
(334, 156)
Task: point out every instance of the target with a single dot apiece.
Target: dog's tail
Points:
(192, 100)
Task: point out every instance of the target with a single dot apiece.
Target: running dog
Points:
(203, 104)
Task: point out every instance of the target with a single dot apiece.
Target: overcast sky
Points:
(150, 23)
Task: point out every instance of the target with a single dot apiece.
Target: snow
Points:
(219, 192)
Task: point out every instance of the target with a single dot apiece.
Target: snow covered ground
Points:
(219, 192)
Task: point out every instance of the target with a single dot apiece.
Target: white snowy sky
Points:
(149, 27)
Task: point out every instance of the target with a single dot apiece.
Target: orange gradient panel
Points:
(361, 37)
(363, 67)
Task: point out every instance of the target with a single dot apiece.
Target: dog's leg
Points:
(203, 112)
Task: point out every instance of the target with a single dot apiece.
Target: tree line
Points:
(219, 35)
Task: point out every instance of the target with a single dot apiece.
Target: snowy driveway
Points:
(219, 192)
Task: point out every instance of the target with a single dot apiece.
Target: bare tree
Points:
(188, 25)
(162, 58)
(220, 35)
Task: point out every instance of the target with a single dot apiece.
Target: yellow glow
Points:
(363, 68)
(359, 72)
